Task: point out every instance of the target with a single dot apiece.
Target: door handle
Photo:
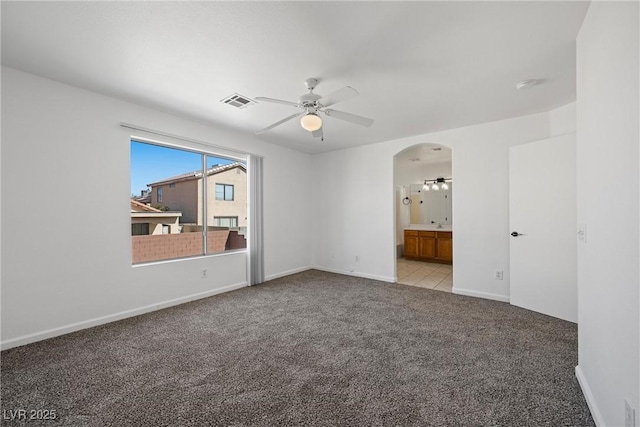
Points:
(516, 234)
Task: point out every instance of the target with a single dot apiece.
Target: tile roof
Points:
(141, 207)
(198, 174)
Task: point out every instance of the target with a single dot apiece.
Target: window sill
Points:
(173, 260)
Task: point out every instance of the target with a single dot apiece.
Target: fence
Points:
(169, 246)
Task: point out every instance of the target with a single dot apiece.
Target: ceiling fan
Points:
(313, 104)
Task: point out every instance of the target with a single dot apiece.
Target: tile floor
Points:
(425, 274)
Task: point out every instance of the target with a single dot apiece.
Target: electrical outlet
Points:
(357, 258)
(351, 269)
(204, 273)
(498, 274)
(629, 414)
(582, 232)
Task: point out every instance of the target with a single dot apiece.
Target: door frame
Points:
(395, 202)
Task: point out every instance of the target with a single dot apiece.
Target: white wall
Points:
(66, 260)
(70, 281)
(562, 121)
(354, 207)
(353, 212)
(608, 203)
(417, 173)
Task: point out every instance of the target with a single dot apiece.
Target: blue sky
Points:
(150, 163)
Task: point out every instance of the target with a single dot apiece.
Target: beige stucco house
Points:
(146, 220)
(226, 195)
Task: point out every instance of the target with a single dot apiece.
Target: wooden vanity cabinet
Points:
(428, 245)
(435, 246)
(411, 244)
(445, 246)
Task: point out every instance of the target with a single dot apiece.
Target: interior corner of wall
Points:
(562, 120)
(588, 395)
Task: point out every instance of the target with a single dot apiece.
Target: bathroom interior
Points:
(424, 227)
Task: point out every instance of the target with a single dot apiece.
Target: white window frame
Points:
(204, 153)
(255, 168)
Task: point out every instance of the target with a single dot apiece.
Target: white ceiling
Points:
(419, 66)
(424, 154)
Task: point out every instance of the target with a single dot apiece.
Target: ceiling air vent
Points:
(238, 101)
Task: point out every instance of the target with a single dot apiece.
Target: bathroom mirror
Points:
(430, 207)
(415, 206)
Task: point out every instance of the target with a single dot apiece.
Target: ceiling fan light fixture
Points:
(311, 122)
(312, 105)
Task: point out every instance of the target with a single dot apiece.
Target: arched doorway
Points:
(423, 182)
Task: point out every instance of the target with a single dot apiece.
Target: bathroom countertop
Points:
(428, 227)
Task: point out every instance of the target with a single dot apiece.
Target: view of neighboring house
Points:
(167, 219)
(146, 220)
(226, 196)
(158, 235)
(144, 197)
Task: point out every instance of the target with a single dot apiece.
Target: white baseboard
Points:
(477, 294)
(588, 395)
(356, 274)
(286, 273)
(62, 330)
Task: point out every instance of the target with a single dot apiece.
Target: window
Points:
(224, 192)
(140, 229)
(187, 219)
(225, 221)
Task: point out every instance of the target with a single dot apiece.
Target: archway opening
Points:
(424, 185)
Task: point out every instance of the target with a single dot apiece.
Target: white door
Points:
(542, 217)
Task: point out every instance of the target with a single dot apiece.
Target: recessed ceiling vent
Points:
(238, 101)
(527, 84)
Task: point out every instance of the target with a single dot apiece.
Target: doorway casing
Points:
(425, 161)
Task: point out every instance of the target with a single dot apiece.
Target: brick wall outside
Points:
(236, 241)
(217, 241)
(168, 246)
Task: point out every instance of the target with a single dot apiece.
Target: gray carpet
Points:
(312, 348)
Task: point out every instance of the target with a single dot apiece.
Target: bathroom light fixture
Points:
(436, 184)
(443, 183)
(311, 122)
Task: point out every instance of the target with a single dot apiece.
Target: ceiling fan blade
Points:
(277, 101)
(286, 119)
(353, 118)
(340, 95)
